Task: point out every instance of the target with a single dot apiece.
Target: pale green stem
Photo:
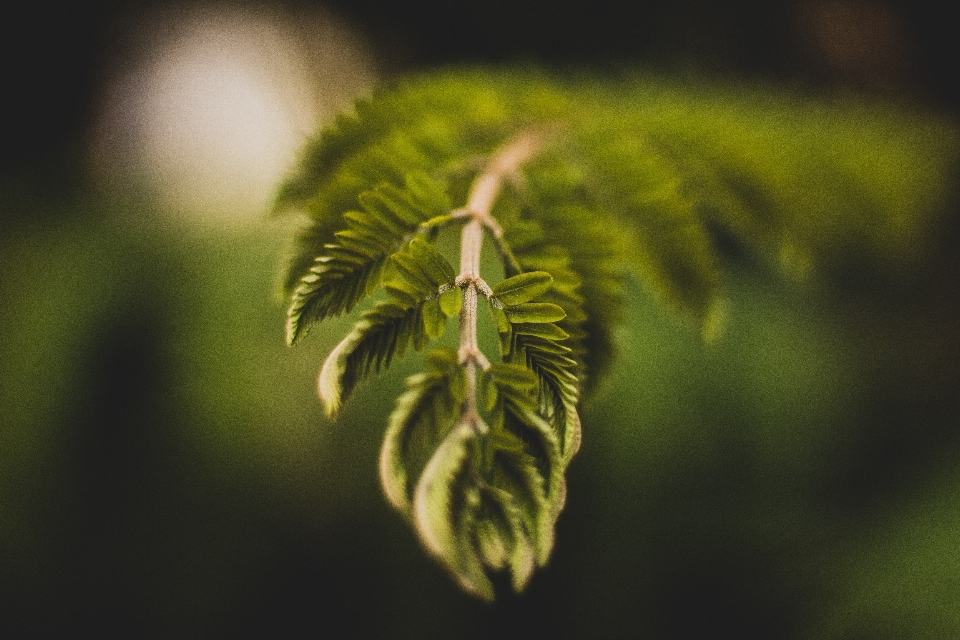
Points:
(483, 193)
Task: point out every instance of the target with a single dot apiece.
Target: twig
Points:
(483, 193)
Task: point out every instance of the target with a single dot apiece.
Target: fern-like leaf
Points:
(577, 184)
(445, 506)
(386, 331)
(350, 267)
(529, 336)
(429, 406)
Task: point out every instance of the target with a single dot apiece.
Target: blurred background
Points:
(165, 467)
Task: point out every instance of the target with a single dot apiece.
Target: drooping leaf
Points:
(445, 505)
(382, 334)
(423, 414)
(411, 316)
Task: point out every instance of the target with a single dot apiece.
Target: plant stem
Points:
(483, 193)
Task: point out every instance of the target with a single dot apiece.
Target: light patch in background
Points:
(207, 106)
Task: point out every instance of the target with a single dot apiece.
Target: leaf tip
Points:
(328, 382)
(292, 335)
(393, 472)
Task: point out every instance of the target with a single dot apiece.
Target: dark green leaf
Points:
(522, 288)
(434, 320)
(535, 312)
(433, 265)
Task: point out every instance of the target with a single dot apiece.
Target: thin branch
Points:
(504, 163)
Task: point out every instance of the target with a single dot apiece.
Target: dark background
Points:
(798, 480)
(53, 52)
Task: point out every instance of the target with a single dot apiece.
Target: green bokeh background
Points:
(167, 471)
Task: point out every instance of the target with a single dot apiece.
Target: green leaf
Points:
(535, 312)
(494, 539)
(333, 286)
(502, 537)
(405, 266)
(373, 227)
(517, 474)
(522, 288)
(500, 318)
(371, 343)
(451, 301)
(444, 510)
(547, 331)
(400, 205)
(517, 382)
(309, 242)
(421, 418)
(382, 334)
(521, 438)
(544, 446)
(428, 193)
(537, 348)
(437, 222)
(434, 321)
(588, 274)
(676, 257)
(433, 265)
(351, 267)
(506, 339)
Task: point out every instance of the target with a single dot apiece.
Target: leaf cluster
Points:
(350, 267)
(421, 294)
(636, 176)
(499, 503)
(481, 500)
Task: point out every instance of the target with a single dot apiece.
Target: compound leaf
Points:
(634, 175)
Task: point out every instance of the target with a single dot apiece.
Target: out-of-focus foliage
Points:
(677, 167)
